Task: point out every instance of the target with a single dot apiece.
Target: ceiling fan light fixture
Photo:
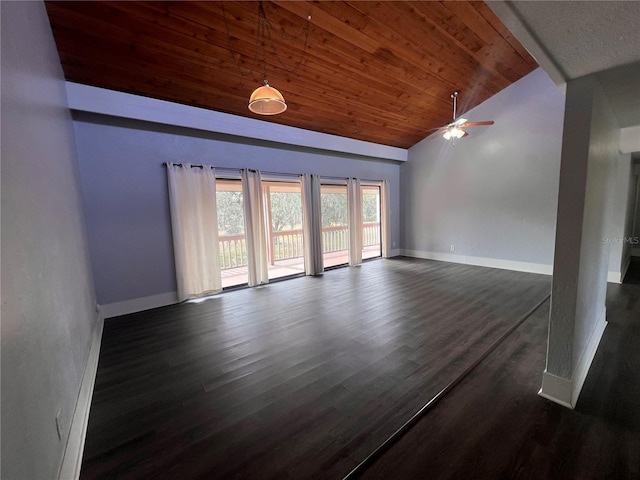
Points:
(266, 100)
(453, 132)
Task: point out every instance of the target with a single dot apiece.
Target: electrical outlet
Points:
(58, 425)
(452, 247)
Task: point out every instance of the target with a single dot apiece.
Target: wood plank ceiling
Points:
(376, 71)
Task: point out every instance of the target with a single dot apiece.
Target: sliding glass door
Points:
(231, 233)
(269, 243)
(335, 225)
(371, 245)
(283, 205)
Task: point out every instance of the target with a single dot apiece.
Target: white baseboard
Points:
(614, 277)
(72, 458)
(618, 277)
(482, 261)
(139, 304)
(556, 389)
(564, 391)
(581, 369)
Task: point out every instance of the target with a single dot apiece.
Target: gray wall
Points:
(620, 217)
(494, 193)
(630, 243)
(125, 192)
(588, 169)
(594, 255)
(48, 302)
(635, 249)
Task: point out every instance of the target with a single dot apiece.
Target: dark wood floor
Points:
(492, 426)
(304, 378)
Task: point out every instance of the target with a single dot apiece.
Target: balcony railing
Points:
(370, 234)
(233, 251)
(285, 245)
(288, 244)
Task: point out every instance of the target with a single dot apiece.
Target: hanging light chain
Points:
(263, 33)
(304, 32)
(235, 55)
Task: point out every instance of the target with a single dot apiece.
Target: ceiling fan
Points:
(454, 129)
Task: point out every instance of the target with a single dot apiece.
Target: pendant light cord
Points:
(263, 34)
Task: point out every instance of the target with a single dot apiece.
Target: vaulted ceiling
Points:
(376, 71)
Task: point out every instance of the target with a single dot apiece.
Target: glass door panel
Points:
(335, 226)
(371, 245)
(283, 204)
(231, 235)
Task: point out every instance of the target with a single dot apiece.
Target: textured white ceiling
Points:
(584, 37)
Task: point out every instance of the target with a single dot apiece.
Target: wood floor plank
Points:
(297, 379)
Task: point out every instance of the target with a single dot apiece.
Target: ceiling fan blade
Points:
(459, 121)
(465, 135)
(438, 129)
(478, 124)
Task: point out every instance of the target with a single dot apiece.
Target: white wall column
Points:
(577, 318)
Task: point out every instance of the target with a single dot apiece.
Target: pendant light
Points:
(266, 100)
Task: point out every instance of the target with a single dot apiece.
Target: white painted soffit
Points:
(85, 98)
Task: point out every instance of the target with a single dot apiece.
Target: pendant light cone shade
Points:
(266, 100)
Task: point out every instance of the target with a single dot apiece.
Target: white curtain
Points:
(194, 223)
(355, 221)
(312, 224)
(385, 219)
(255, 227)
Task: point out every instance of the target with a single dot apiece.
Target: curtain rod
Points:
(330, 177)
(193, 165)
(347, 178)
(164, 164)
(265, 172)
